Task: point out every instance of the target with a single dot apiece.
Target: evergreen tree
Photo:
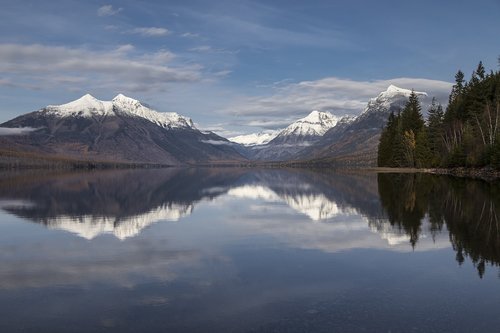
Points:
(423, 154)
(435, 131)
(480, 71)
(411, 117)
(407, 159)
(455, 108)
(385, 157)
(458, 88)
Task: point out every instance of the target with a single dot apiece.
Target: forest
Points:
(465, 134)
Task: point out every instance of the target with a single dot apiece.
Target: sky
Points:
(238, 67)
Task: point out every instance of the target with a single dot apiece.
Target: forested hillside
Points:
(466, 134)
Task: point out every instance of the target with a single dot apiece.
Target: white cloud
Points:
(151, 31)
(223, 73)
(120, 68)
(108, 10)
(287, 102)
(220, 129)
(202, 48)
(190, 35)
(16, 131)
(211, 49)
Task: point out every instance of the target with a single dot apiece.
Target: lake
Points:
(247, 250)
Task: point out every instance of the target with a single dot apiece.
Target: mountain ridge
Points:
(122, 130)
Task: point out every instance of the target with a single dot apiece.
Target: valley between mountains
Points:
(127, 131)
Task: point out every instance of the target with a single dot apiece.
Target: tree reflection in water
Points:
(468, 208)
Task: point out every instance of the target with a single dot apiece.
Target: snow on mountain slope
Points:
(387, 98)
(88, 106)
(85, 106)
(163, 119)
(255, 139)
(314, 124)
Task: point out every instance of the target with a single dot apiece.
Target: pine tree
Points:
(480, 71)
(386, 152)
(423, 154)
(408, 149)
(411, 117)
(458, 87)
(435, 131)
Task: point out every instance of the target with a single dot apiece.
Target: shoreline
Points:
(487, 174)
(17, 161)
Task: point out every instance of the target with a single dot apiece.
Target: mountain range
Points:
(323, 136)
(125, 130)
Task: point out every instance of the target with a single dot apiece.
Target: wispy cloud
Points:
(222, 73)
(16, 131)
(190, 35)
(218, 143)
(120, 68)
(151, 31)
(256, 30)
(202, 48)
(108, 10)
(221, 129)
(340, 96)
(211, 49)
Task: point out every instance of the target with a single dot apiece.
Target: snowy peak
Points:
(255, 139)
(393, 91)
(314, 124)
(85, 106)
(121, 99)
(88, 106)
(316, 117)
(393, 96)
(164, 119)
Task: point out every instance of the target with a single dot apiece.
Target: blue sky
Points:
(238, 66)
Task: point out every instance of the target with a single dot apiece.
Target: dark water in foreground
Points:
(248, 251)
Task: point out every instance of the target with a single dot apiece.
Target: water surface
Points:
(245, 250)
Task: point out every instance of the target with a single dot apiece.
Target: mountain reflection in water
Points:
(408, 211)
(125, 202)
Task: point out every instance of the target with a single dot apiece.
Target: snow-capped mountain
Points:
(392, 99)
(288, 141)
(300, 132)
(122, 130)
(88, 106)
(355, 140)
(389, 96)
(255, 139)
(313, 125)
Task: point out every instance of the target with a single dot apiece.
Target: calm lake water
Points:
(242, 250)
